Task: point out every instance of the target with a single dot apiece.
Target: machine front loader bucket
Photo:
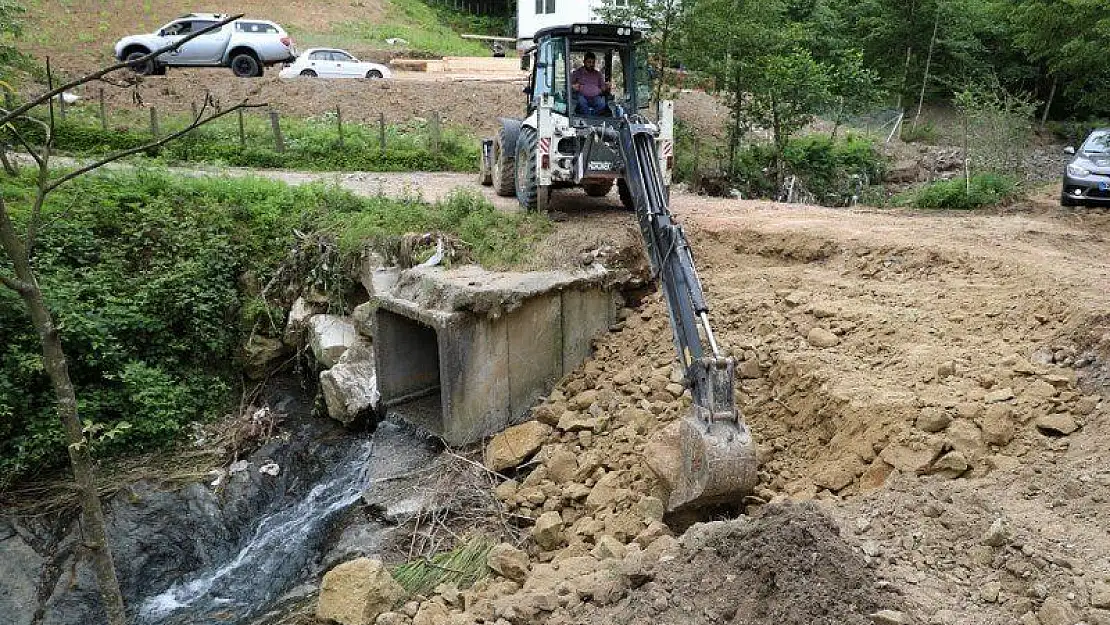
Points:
(707, 457)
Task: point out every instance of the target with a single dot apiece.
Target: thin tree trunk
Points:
(928, 62)
(1048, 103)
(84, 472)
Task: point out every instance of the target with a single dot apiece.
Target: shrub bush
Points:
(985, 190)
(831, 171)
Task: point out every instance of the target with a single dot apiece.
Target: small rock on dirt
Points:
(997, 534)
(933, 419)
(508, 561)
(1056, 612)
(1100, 596)
(820, 337)
(548, 532)
(515, 445)
(356, 592)
(1002, 394)
(1060, 424)
(951, 465)
(890, 617)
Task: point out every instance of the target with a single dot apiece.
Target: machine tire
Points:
(373, 75)
(143, 69)
(527, 187)
(1067, 201)
(598, 189)
(504, 163)
(626, 195)
(245, 65)
(307, 73)
(159, 70)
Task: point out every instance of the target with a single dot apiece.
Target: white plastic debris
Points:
(238, 467)
(270, 468)
(220, 475)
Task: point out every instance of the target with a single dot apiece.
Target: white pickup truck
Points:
(245, 45)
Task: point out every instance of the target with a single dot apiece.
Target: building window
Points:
(545, 6)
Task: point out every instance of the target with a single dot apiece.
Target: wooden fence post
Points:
(154, 122)
(381, 134)
(193, 106)
(242, 131)
(103, 111)
(275, 125)
(339, 123)
(62, 105)
(433, 131)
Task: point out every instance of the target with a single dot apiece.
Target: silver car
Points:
(245, 45)
(1087, 178)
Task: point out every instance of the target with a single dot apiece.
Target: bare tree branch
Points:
(153, 144)
(97, 75)
(23, 141)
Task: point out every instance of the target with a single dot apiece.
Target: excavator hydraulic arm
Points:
(707, 457)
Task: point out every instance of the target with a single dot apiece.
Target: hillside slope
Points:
(79, 34)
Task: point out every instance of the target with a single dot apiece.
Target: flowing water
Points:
(287, 541)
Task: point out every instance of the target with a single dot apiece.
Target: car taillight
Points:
(286, 41)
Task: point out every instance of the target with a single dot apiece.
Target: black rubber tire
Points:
(1067, 201)
(527, 187)
(374, 75)
(626, 195)
(159, 70)
(245, 65)
(307, 73)
(504, 164)
(143, 69)
(598, 189)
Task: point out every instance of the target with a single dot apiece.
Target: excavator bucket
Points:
(707, 457)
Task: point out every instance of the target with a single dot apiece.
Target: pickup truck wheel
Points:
(308, 73)
(245, 66)
(142, 69)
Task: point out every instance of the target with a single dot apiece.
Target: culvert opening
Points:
(409, 375)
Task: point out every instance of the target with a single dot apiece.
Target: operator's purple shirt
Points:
(591, 82)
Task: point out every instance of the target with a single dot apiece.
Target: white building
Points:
(533, 15)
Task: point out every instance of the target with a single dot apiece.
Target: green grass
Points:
(985, 190)
(310, 144)
(415, 22)
(462, 567)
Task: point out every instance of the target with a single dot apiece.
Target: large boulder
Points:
(351, 387)
(20, 567)
(515, 445)
(331, 336)
(356, 592)
(299, 313)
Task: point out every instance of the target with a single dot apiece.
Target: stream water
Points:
(283, 543)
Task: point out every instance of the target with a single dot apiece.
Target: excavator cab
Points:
(706, 457)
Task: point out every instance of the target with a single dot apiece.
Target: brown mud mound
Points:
(786, 565)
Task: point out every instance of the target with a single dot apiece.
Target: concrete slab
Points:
(465, 352)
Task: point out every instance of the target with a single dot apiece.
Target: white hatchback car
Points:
(333, 63)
